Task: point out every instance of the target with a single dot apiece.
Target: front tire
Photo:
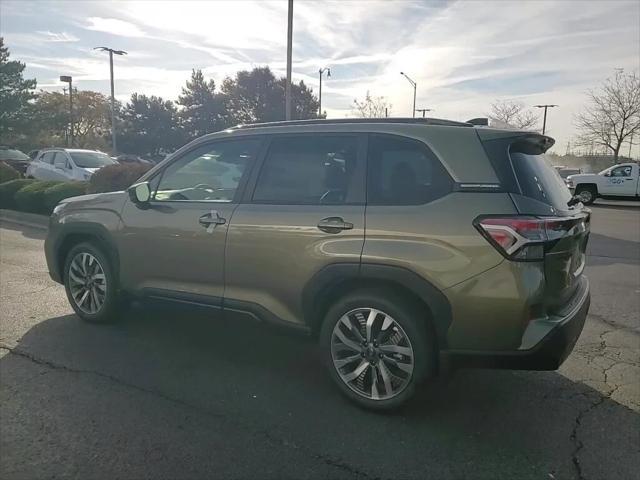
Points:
(91, 285)
(376, 348)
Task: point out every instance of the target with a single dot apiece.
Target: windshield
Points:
(9, 154)
(91, 159)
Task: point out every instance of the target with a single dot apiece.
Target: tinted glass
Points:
(540, 181)
(91, 159)
(404, 172)
(307, 169)
(209, 173)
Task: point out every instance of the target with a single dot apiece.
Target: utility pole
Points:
(68, 79)
(113, 101)
(544, 122)
(414, 85)
(423, 110)
(287, 92)
(320, 72)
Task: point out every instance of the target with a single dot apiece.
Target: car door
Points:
(174, 246)
(619, 181)
(42, 171)
(61, 167)
(303, 210)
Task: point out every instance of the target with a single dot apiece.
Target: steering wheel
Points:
(204, 186)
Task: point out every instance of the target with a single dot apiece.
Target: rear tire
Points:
(91, 286)
(377, 361)
(587, 194)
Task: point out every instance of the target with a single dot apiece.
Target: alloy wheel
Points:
(87, 283)
(372, 353)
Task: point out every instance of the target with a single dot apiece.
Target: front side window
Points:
(404, 172)
(209, 173)
(621, 171)
(60, 160)
(308, 170)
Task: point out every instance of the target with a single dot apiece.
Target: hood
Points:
(109, 201)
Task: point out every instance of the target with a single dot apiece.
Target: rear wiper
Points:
(573, 201)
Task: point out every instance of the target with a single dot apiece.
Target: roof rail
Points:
(323, 121)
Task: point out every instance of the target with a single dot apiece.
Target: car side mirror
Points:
(608, 174)
(140, 193)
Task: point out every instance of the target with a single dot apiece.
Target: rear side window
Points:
(47, 157)
(308, 170)
(539, 180)
(402, 171)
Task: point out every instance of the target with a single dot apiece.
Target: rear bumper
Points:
(547, 354)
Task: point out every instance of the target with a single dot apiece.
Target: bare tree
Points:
(612, 115)
(513, 114)
(371, 107)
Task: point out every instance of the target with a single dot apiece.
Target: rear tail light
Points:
(525, 238)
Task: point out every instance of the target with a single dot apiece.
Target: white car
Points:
(619, 181)
(67, 164)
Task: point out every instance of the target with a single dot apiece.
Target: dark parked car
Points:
(15, 158)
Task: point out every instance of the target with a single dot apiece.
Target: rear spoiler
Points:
(531, 143)
(479, 121)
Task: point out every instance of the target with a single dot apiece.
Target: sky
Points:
(463, 55)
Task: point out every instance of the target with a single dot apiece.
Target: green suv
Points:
(404, 246)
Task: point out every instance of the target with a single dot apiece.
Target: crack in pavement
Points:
(336, 463)
(598, 350)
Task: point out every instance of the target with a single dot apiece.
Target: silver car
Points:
(67, 164)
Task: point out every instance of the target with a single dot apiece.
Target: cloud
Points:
(114, 26)
(61, 37)
(463, 55)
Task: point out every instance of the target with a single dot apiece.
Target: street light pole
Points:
(320, 72)
(414, 84)
(287, 90)
(544, 121)
(68, 79)
(113, 101)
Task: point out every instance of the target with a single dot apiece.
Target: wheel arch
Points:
(593, 186)
(336, 280)
(77, 233)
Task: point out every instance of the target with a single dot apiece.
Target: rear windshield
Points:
(91, 159)
(539, 180)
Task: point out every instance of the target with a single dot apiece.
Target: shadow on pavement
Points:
(27, 231)
(611, 250)
(170, 394)
(612, 205)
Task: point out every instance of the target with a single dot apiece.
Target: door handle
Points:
(211, 220)
(334, 225)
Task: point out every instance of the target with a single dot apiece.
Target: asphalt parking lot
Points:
(169, 394)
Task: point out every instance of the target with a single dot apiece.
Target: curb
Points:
(23, 218)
